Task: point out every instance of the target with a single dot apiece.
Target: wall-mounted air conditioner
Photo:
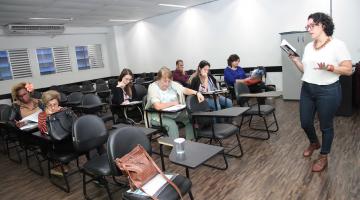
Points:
(30, 29)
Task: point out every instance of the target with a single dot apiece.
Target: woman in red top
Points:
(51, 101)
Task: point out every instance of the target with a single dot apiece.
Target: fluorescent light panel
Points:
(171, 5)
(51, 18)
(123, 20)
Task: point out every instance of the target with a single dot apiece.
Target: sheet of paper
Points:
(174, 108)
(32, 118)
(133, 103)
(152, 186)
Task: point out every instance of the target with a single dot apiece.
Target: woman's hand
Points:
(295, 59)
(323, 66)
(122, 85)
(20, 124)
(200, 97)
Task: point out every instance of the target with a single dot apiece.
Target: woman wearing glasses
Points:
(204, 82)
(23, 103)
(124, 92)
(324, 60)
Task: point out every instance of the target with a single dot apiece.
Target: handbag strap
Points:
(163, 175)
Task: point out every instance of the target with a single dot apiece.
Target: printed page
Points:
(174, 108)
(31, 118)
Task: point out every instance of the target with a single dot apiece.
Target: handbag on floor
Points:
(141, 168)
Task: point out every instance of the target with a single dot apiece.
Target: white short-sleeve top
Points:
(333, 53)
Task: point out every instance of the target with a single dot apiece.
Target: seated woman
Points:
(51, 101)
(164, 93)
(124, 92)
(234, 73)
(204, 82)
(23, 104)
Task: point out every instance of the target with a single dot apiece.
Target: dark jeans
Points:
(325, 99)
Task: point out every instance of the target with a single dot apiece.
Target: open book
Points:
(174, 108)
(290, 50)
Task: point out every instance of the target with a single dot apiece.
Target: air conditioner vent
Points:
(24, 29)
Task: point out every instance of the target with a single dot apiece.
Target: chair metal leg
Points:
(191, 195)
(65, 188)
(39, 162)
(84, 186)
(162, 157)
(19, 160)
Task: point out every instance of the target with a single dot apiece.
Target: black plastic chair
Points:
(100, 81)
(74, 99)
(62, 153)
(121, 142)
(91, 104)
(63, 99)
(103, 91)
(141, 91)
(207, 127)
(89, 133)
(74, 88)
(87, 87)
(258, 110)
(112, 83)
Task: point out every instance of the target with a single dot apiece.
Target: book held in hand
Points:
(290, 50)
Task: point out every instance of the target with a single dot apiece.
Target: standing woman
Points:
(324, 60)
(205, 82)
(124, 92)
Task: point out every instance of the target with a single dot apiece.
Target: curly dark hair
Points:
(232, 58)
(325, 20)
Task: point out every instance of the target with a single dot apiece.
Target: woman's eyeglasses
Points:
(310, 26)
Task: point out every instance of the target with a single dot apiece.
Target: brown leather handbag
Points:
(140, 168)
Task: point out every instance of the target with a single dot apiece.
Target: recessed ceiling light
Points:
(123, 20)
(172, 5)
(51, 18)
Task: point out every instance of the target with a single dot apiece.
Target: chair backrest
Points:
(139, 80)
(5, 112)
(101, 87)
(36, 94)
(100, 81)
(90, 99)
(87, 88)
(74, 88)
(193, 105)
(241, 88)
(89, 132)
(63, 98)
(141, 91)
(75, 96)
(112, 83)
(122, 141)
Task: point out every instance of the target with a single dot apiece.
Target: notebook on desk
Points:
(174, 108)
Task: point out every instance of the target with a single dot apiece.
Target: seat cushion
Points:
(106, 117)
(63, 157)
(169, 193)
(98, 165)
(221, 131)
(264, 110)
